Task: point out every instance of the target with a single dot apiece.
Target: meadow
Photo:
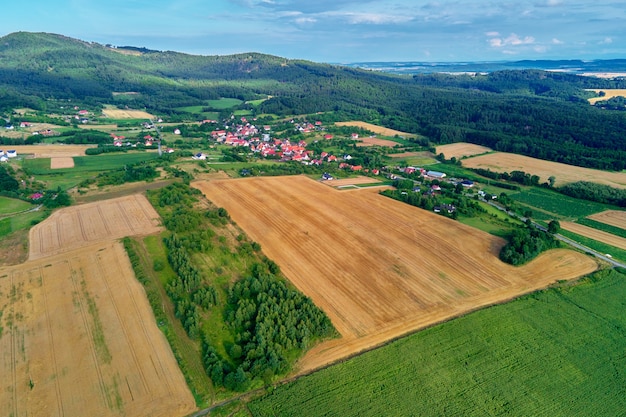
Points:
(12, 205)
(555, 205)
(558, 352)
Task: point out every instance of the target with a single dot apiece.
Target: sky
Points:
(339, 31)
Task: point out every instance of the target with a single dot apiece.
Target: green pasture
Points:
(224, 103)
(256, 103)
(84, 167)
(12, 205)
(555, 205)
(21, 221)
(494, 221)
(617, 253)
(558, 352)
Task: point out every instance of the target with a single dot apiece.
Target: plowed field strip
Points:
(615, 218)
(100, 271)
(90, 336)
(595, 234)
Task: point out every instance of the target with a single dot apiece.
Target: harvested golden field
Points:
(379, 268)
(50, 151)
(379, 130)
(595, 234)
(114, 113)
(461, 149)
(107, 127)
(608, 93)
(376, 142)
(615, 218)
(507, 162)
(79, 339)
(73, 227)
(61, 162)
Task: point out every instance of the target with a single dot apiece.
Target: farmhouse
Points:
(3, 158)
(11, 153)
(199, 156)
(436, 174)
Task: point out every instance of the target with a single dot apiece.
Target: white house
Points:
(11, 153)
(3, 158)
(199, 156)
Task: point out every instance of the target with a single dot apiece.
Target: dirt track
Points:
(379, 268)
(79, 339)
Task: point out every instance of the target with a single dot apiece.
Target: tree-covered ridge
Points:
(531, 112)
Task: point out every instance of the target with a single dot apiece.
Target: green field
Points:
(558, 352)
(494, 221)
(224, 103)
(12, 224)
(555, 205)
(12, 205)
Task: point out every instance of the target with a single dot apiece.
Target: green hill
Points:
(531, 112)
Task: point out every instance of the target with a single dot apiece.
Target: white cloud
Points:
(511, 40)
(369, 18)
(556, 41)
(606, 41)
(553, 3)
(490, 34)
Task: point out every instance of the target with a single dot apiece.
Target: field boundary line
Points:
(13, 359)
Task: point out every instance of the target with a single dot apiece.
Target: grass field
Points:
(556, 205)
(559, 352)
(41, 166)
(12, 205)
(494, 221)
(224, 103)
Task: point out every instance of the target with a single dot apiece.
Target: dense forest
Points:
(531, 112)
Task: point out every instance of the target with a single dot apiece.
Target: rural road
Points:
(562, 238)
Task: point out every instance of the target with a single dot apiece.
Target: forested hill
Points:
(537, 113)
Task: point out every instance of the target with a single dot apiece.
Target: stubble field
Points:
(507, 162)
(379, 130)
(126, 114)
(608, 93)
(461, 149)
(79, 339)
(50, 151)
(76, 226)
(379, 268)
(611, 217)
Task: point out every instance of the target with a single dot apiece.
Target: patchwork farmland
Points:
(507, 162)
(79, 339)
(595, 234)
(379, 268)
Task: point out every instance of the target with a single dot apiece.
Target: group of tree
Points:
(595, 192)
(271, 321)
(525, 243)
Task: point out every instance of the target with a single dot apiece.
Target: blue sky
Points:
(339, 31)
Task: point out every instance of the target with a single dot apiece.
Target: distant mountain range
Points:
(574, 66)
